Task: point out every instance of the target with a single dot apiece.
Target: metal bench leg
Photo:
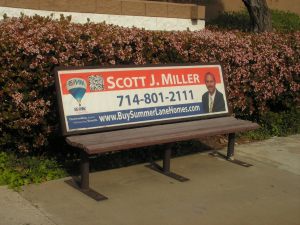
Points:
(167, 160)
(230, 147)
(84, 171)
(230, 152)
(165, 169)
(83, 185)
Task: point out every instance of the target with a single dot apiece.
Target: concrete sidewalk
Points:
(219, 192)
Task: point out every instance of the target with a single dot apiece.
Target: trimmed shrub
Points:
(281, 21)
(231, 21)
(285, 21)
(262, 71)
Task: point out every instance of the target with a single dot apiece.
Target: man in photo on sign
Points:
(212, 100)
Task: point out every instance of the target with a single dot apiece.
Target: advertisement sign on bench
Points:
(109, 98)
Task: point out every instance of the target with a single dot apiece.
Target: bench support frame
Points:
(230, 147)
(84, 171)
(165, 169)
(83, 185)
(230, 152)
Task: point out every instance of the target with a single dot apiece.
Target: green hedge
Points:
(262, 71)
(281, 21)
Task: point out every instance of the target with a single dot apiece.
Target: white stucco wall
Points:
(149, 23)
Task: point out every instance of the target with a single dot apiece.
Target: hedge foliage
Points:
(262, 70)
(281, 21)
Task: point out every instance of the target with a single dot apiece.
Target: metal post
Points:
(84, 170)
(165, 169)
(166, 160)
(83, 185)
(230, 148)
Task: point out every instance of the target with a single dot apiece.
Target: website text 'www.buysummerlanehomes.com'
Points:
(146, 113)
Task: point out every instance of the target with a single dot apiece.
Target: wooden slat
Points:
(159, 134)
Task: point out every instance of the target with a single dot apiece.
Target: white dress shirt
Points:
(211, 99)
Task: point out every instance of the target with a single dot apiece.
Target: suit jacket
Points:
(219, 103)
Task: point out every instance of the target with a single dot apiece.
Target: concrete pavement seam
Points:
(43, 213)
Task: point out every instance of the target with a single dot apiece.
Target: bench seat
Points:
(158, 134)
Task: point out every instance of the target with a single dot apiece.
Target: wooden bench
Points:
(133, 137)
(99, 143)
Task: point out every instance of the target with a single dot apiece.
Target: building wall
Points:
(126, 13)
(215, 7)
(114, 7)
(184, 9)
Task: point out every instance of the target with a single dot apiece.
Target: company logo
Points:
(77, 88)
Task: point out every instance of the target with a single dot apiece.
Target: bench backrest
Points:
(99, 99)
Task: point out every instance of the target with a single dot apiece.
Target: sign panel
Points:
(109, 98)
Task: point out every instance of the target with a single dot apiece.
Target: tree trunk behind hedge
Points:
(260, 16)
